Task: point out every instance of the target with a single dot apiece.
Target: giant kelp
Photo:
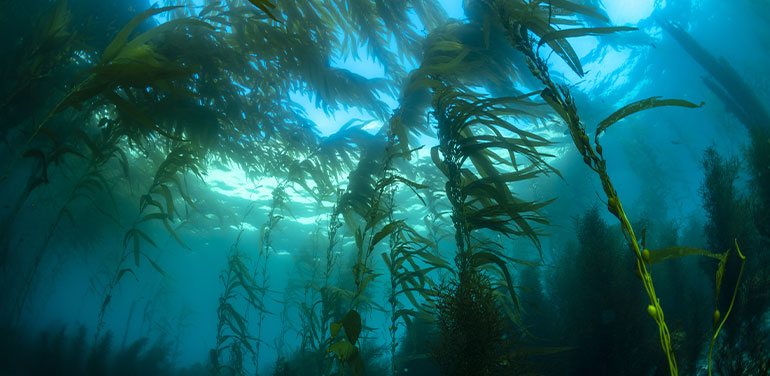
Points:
(724, 81)
(598, 314)
(526, 25)
(212, 85)
(163, 84)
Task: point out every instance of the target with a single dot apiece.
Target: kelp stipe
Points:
(368, 212)
(91, 184)
(528, 26)
(410, 260)
(182, 159)
(233, 339)
(596, 298)
(265, 250)
(742, 347)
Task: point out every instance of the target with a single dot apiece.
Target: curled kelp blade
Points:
(642, 105)
(582, 32)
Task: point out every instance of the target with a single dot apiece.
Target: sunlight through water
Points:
(624, 12)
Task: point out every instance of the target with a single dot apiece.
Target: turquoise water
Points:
(384, 187)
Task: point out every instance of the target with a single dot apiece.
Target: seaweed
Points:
(596, 306)
(233, 340)
(59, 351)
(729, 87)
(91, 185)
(472, 329)
(210, 87)
(524, 25)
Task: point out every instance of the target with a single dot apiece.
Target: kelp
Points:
(471, 129)
(729, 87)
(537, 18)
(409, 262)
(265, 250)
(655, 256)
(38, 59)
(212, 86)
(317, 300)
(180, 160)
(637, 106)
(462, 55)
(717, 322)
(233, 336)
(581, 32)
(264, 6)
(518, 27)
(91, 185)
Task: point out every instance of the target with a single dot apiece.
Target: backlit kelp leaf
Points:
(147, 200)
(580, 8)
(334, 328)
(412, 185)
(568, 54)
(117, 44)
(641, 105)
(385, 231)
(132, 112)
(365, 282)
(719, 275)
(140, 40)
(133, 235)
(671, 253)
(359, 239)
(386, 258)
(582, 31)
(344, 350)
(508, 177)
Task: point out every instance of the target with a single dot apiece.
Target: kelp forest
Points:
(385, 187)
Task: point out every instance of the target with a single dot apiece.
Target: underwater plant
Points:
(211, 87)
(58, 351)
(91, 185)
(265, 248)
(592, 313)
(528, 26)
(473, 331)
(233, 339)
(408, 252)
(742, 348)
(180, 161)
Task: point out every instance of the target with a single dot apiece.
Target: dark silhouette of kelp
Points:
(743, 350)
(58, 352)
(726, 83)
